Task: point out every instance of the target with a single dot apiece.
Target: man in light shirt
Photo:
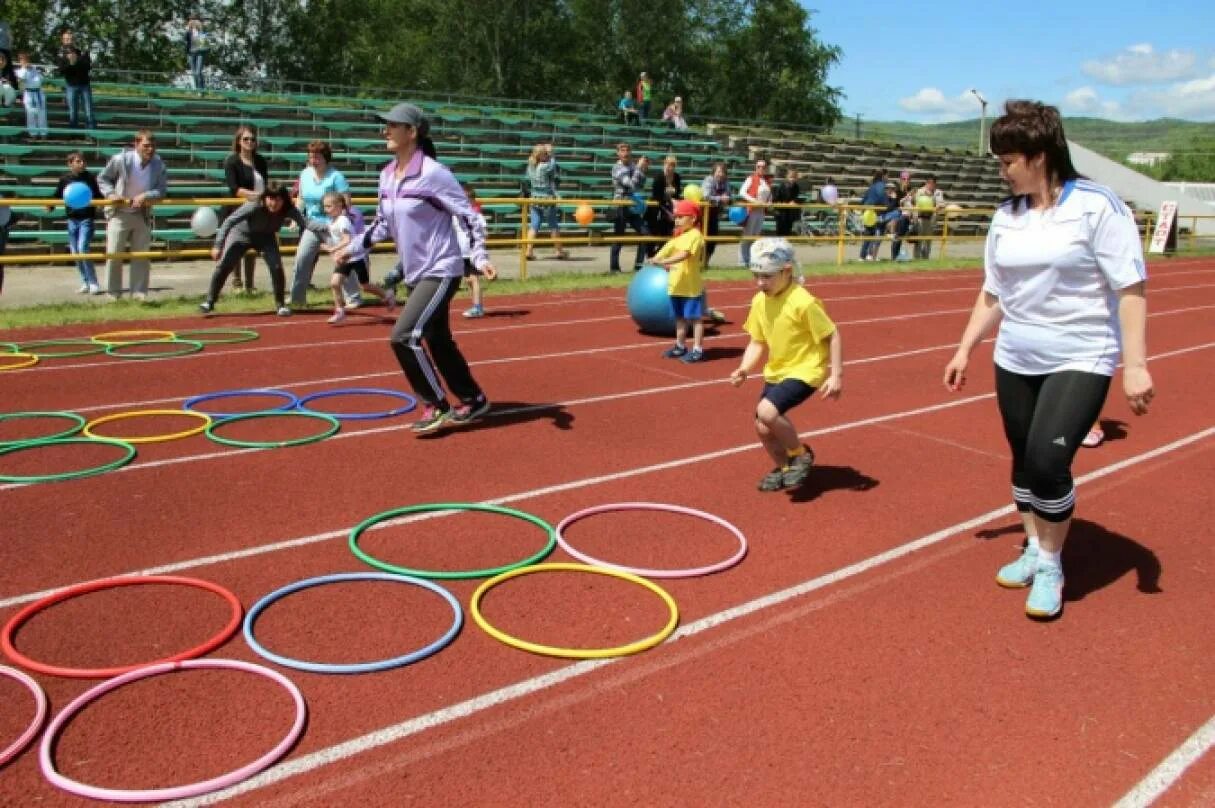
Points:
(137, 177)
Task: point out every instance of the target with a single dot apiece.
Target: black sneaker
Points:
(468, 413)
(774, 480)
(798, 469)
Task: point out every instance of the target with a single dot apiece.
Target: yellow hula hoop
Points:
(118, 416)
(124, 337)
(27, 360)
(574, 653)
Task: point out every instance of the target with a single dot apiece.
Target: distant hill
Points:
(1111, 138)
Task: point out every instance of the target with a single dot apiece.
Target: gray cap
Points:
(407, 113)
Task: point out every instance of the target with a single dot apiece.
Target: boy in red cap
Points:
(684, 257)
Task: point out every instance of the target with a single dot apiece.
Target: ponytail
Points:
(428, 147)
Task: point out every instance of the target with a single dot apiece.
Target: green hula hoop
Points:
(11, 347)
(361, 527)
(190, 346)
(87, 346)
(67, 433)
(67, 475)
(218, 336)
(333, 426)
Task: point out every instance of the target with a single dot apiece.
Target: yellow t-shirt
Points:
(684, 278)
(797, 331)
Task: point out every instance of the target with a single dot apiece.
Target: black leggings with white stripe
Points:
(422, 342)
(1045, 418)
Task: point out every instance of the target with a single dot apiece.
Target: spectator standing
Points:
(666, 190)
(628, 184)
(673, 114)
(80, 221)
(136, 177)
(644, 94)
(8, 82)
(628, 108)
(197, 43)
(247, 175)
(875, 197)
(757, 190)
(928, 202)
(32, 96)
(787, 191)
(318, 178)
(715, 190)
(542, 183)
(74, 67)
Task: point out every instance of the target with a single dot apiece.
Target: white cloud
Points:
(1188, 99)
(1141, 64)
(1086, 101)
(932, 103)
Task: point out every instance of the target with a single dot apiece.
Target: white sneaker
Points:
(283, 311)
(338, 316)
(139, 296)
(83, 290)
(94, 289)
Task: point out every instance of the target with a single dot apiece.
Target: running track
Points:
(861, 653)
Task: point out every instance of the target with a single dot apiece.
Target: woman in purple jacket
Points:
(418, 199)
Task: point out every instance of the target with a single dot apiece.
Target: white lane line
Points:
(495, 698)
(1170, 770)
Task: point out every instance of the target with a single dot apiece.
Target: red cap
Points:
(686, 207)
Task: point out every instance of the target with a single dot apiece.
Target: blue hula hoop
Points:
(410, 403)
(192, 403)
(359, 667)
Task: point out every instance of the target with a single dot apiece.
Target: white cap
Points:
(770, 255)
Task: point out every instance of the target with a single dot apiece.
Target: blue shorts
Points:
(688, 308)
(787, 394)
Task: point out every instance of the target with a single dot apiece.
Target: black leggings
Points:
(425, 318)
(234, 251)
(1045, 418)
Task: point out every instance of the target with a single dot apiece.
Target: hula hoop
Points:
(206, 422)
(189, 346)
(67, 475)
(474, 607)
(410, 403)
(690, 572)
(218, 336)
(192, 403)
(21, 617)
(354, 667)
(334, 426)
(47, 761)
(40, 705)
(11, 347)
(362, 527)
(128, 337)
(72, 430)
(88, 348)
(25, 360)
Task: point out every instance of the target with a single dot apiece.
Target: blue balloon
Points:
(638, 206)
(738, 214)
(77, 195)
(649, 304)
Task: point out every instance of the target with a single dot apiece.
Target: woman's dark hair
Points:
(1032, 128)
(244, 128)
(427, 146)
(281, 191)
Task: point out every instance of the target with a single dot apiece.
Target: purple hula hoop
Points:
(174, 792)
(691, 572)
(16, 746)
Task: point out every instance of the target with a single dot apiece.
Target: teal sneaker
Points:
(1046, 595)
(1020, 573)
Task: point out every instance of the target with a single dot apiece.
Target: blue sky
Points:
(917, 61)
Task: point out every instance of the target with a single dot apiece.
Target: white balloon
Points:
(204, 223)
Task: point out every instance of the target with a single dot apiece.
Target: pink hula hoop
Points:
(691, 572)
(174, 792)
(16, 746)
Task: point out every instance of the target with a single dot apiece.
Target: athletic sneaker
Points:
(1046, 595)
(338, 316)
(674, 352)
(467, 413)
(432, 418)
(83, 290)
(353, 303)
(284, 311)
(1020, 573)
(94, 289)
(206, 307)
(474, 312)
(1094, 438)
(798, 469)
(774, 480)
(694, 355)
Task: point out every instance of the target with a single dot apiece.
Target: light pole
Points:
(982, 120)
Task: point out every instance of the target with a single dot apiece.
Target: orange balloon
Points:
(584, 215)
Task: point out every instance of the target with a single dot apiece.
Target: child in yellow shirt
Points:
(804, 353)
(683, 257)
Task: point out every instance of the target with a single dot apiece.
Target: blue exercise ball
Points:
(649, 304)
(738, 214)
(77, 195)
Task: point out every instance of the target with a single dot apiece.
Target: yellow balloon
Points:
(869, 218)
(692, 193)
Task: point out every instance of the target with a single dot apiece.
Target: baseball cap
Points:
(686, 207)
(408, 114)
(770, 255)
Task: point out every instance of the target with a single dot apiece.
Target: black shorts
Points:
(787, 394)
(357, 267)
(470, 270)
